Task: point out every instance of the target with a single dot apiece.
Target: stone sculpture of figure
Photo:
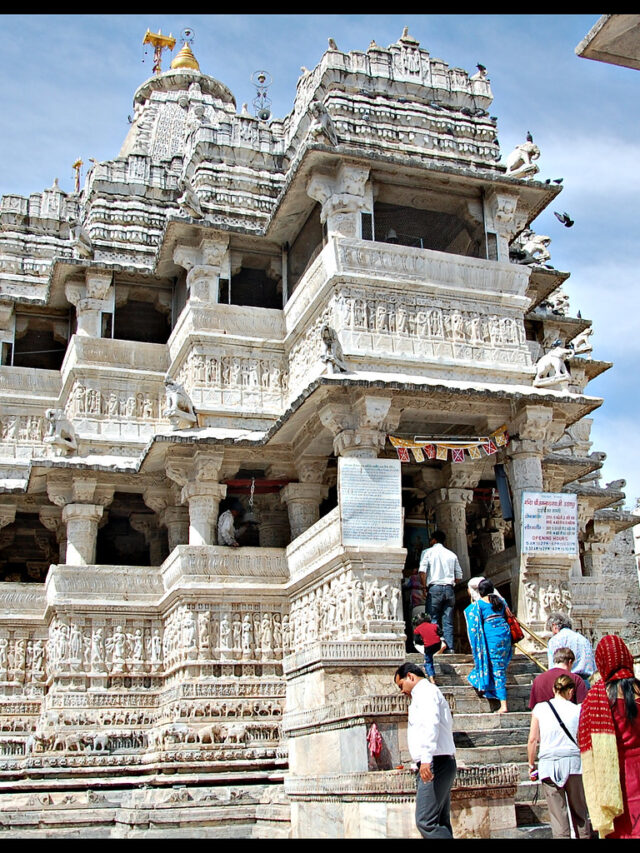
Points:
(37, 666)
(395, 600)
(188, 202)
(75, 643)
(332, 351)
(286, 634)
(97, 650)
(551, 368)
(189, 639)
(60, 433)
(247, 632)
(277, 632)
(203, 633)
(520, 162)
(581, 343)
(225, 633)
(531, 595)
(179, 408)
(80, 239)
(138, 646)
(267, 634)
(236, 631)
(3, 658)
(322, 123)
(534, 246)
(156, 647)
(119, 645)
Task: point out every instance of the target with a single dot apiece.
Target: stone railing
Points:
(25, 380)
(18, 599)
(80, 584)
(115, 354)
(315, 547)
(190, 564)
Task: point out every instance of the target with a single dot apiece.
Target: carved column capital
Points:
(311, 469)
(363, 443)
(303, 505)
(7, 514)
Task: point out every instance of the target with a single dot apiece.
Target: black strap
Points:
(562, 725)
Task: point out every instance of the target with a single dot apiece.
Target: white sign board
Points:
(549, 523)
(370, 499)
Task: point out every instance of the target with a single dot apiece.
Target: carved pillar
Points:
(303, 505)
(451, 517)
(147, 525)
(91, 297)
(176, 520)
(342, 197)
(203, 265)
(164, 502)
(360, 429)
(503, 219)
(51, 518)
(201, 490)
(83, 501)
(274, 528)
(82, 531)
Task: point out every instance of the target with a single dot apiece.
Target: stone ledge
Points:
(349, 712)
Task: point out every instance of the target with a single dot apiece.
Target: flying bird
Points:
(566, 220)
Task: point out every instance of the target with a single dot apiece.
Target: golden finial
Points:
(159, 43)
(185, 59)
(77, 166)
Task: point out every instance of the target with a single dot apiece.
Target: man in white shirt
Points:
(430, 739)
(563, 636)
(439, 570)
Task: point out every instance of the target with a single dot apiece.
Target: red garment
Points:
(542, 687)
(627, 825)
(429, 632)
(614, 661)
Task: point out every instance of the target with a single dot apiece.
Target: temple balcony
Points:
(409, 310)
(113, 390)
(25, 395)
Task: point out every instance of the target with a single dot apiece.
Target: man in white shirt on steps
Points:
(430, 739)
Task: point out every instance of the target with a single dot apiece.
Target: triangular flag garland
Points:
(440, 449)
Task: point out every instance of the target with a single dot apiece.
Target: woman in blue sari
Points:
(490, 640)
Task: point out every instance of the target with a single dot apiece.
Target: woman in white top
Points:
(554, 728)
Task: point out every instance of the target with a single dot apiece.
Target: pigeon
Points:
(548, 181)
(579, 315)
(566, 220)
(332, 44)
(529, 137)
(481, 68)
(558, 181)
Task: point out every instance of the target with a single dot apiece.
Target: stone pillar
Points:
(451, 517)
(147, 524)
(204, 501)
(274, 528)
(360, 429)
(342, 197)
(203, 265)
(176, 520)
(503, 219)
(524, 457)
(303, 505)
(51, 518)
(91, 297)
(82, 531)
(198, 476)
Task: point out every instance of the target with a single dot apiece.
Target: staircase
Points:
(482, 737)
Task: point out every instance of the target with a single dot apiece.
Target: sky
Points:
(70, 80)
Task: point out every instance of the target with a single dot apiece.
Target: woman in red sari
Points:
(609, 740)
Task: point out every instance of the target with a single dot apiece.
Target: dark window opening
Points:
(492, 246)
(427, 229)
(119, 543)
(28, 550)
(367, 226)
(39, 348)
(254, 287)
(141, 321)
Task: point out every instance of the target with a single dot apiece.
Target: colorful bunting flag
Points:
(457, 454)
(418, 454)
(403, 454)
(489, 448)
(430, 450)
(501, 438)
(441, 452)
(474, 451)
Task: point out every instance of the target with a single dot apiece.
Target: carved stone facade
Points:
(235, 305)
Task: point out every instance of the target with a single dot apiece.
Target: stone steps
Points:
(483, 737)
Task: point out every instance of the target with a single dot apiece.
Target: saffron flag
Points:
(489, 448)
(403, 454)
(474, 452)
(430, 450)
(457, 454)
(441, 452)
(418, 454)
(501, 438)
